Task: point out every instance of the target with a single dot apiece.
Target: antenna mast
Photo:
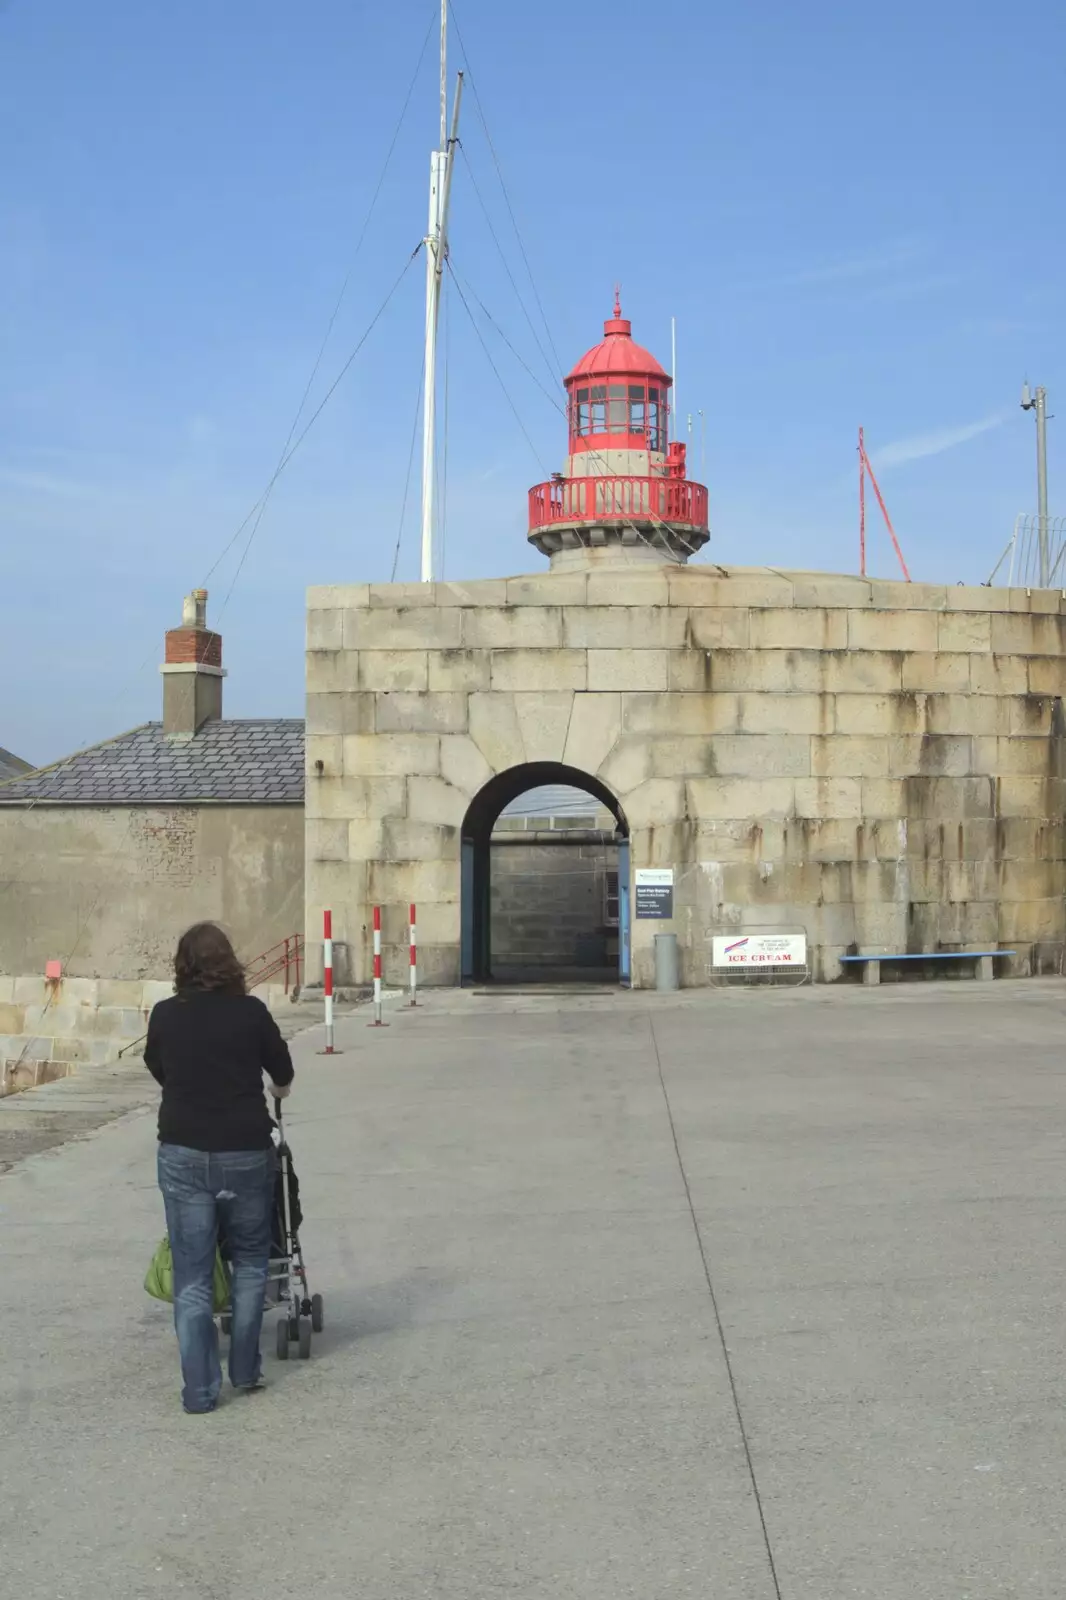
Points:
(436, 242)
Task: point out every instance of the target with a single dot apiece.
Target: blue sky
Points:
(854, 216)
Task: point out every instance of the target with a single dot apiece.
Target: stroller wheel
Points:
(283, 1339)
(294, 1326)
(305, 1341)
(318, 1313)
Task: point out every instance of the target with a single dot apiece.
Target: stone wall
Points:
(108, 890)
(878, 763)
(548, 901)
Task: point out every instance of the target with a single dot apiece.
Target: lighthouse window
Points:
(599, 408)
(636, 408)
(581, 415)
(617, 407)
(656, 422)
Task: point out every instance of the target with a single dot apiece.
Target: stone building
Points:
(875, 765)
(106, 856)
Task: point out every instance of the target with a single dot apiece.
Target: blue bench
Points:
(871, 965)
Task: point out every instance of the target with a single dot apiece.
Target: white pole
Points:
(673, 368)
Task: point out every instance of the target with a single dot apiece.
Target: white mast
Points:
(436, 243)
(673, 373)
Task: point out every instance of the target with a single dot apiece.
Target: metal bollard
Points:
(667, 967)
(327, 976)
(414, 961)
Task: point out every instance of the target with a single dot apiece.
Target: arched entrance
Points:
(481, 820)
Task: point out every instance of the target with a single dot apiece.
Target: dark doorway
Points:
(581, 871)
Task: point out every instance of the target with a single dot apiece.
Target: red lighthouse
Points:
(623, 483)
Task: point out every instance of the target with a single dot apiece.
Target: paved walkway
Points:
(518, 1211)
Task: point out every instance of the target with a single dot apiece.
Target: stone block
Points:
(495, 730)
(893, 630)
(879, 714)
(849, 756)
(543, 722)
(326, 839)
(1047, 675)
(627, 766)
(1035, 600)
(722, 587)
(723, 841)
(932, 755)
(595, 727)
(325, 630)
(682, 757)
(1017, 756)
(463, 765)
(121, 992)
(717, 628)
(688, 671)
(464, 671)
(949, 800)
(975, 597)
(828, 797)
(650, 715)
(655, 803)
(407, 840)
(980, 923)
(991, 674)
(327, 748)
(966, 713)
(414, 627)
(1022, 921)
(434, 800)
(30, 988)
(332, 672)
(69, 1050)
(627, 670)
(7, 988)
(1021, 797)
(862, 672)
(964, 630)
(1025, 634)
(404, 712)
(12, 1018)
(340, 713)
(355, 797)
(754, 755)
(535, 670)
(399, 882)
(768, 671)
(936, 674)
(624, 628)
(795, 629)
(394, 670)
(785, 713)
(740, 799)
(476, 592)
(636, 586)
(1030, 714)
(391, 754)
(338, 596)
(514, 628)
(547, 589)
(814, 589)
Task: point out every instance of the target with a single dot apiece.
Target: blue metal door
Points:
(466, 911)
(623, 911)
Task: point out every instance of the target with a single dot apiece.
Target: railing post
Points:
(414, 960)
(327, 976)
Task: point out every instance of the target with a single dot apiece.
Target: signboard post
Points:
(760, 950)
(653, 893)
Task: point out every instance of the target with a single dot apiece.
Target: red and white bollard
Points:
(377, 968)
(327, 976)
(414, 961)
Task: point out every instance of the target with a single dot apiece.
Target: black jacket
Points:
(210, 1052)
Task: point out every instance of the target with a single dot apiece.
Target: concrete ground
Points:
(734, 1295)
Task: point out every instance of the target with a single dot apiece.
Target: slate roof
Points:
(254, 761)
(12, 766)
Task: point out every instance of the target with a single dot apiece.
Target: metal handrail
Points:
(624, 496)
(285, 956)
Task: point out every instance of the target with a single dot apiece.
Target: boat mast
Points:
(436, 242)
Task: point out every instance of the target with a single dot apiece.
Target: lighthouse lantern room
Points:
(623, 483)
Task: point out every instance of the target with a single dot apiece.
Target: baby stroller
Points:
(287, 1287)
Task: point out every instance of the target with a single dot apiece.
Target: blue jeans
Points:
(201, 1190)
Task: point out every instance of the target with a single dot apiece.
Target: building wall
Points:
(108, 890)
(879, 764)
(549, 899)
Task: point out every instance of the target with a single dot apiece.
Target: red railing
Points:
(285, 956)
(618, 499)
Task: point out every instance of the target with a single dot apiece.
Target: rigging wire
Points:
(496, 371)
(551, 398)
(503, 187)
(410, 465)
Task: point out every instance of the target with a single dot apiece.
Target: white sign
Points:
(760, 950)
(653, 896)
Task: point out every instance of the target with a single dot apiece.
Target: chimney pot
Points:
(192, 671)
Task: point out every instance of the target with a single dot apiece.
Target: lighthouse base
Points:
(568, 544)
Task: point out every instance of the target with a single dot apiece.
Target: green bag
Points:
(159, 1279)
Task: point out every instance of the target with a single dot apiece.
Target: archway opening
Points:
(545, 879)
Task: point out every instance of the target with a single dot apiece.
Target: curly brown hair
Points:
(205, 960)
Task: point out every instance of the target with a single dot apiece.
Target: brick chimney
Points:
(192, 671)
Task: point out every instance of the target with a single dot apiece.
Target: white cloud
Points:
(934, 443)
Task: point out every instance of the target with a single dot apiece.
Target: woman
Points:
(209, 1047)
